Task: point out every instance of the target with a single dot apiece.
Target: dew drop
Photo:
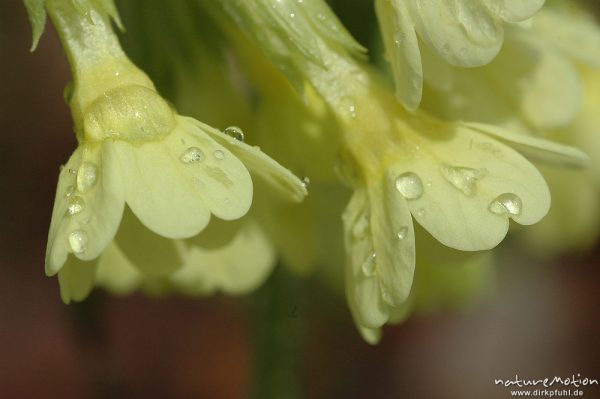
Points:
(387, 298)
(305, 182)
(70, 191)
(192, 155)
(348, 106)
(219, 154)
(78, 241)
(409, 185)
(506, 204)
(402, 233)
(368, 266)
(361, 226)
(421, 213)
(399, 38)
(234, 132)
(462, 178)
(86, 176)
(75, 204)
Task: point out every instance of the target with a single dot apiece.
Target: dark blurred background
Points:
(541, 321)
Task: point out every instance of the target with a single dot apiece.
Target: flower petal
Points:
(174, 184)
(465, 186)
(462, 32)
(393, 240)
(237, 267)
(539, 149)
(275, 175)
(151, 254)
(87, 209)
(363, 290)
(402, 46)
(76, 279)
(116, 273)
(514, 10)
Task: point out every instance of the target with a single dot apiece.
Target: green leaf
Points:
(36, 11)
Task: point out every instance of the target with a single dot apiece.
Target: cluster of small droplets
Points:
(86, 177)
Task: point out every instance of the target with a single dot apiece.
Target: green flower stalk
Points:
(173, 173)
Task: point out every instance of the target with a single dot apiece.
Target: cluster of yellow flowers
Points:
(480, 88)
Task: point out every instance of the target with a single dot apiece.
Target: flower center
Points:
(133, 113)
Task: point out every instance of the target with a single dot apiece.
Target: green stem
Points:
(279, 332)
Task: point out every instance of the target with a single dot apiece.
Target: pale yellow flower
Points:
(520, 90)
(172, 171)
(464, 33)
(461, 182)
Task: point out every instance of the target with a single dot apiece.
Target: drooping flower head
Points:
(461, 181)
(172, 171)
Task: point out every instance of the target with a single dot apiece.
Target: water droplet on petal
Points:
(462, 178)
(75, 204)
(421, 213)
(234, 132)
(386, 297)
(409, 185)
(219, 154)
(192, 155)
(368, 266)
(348, 106)
(305, 182)
(399, 38)
(86, 176)
(506, 204)
(361, 226)
(402, 233)
(70, 191)
(78, 241)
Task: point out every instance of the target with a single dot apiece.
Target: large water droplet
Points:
(234, 132)
(462, 178)
(219, 154)
(78, 241)
(75, 204)
(86, 176)
(409, 185)
(368, 266)
(192, 155)
(506, 204)
(402, 233)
